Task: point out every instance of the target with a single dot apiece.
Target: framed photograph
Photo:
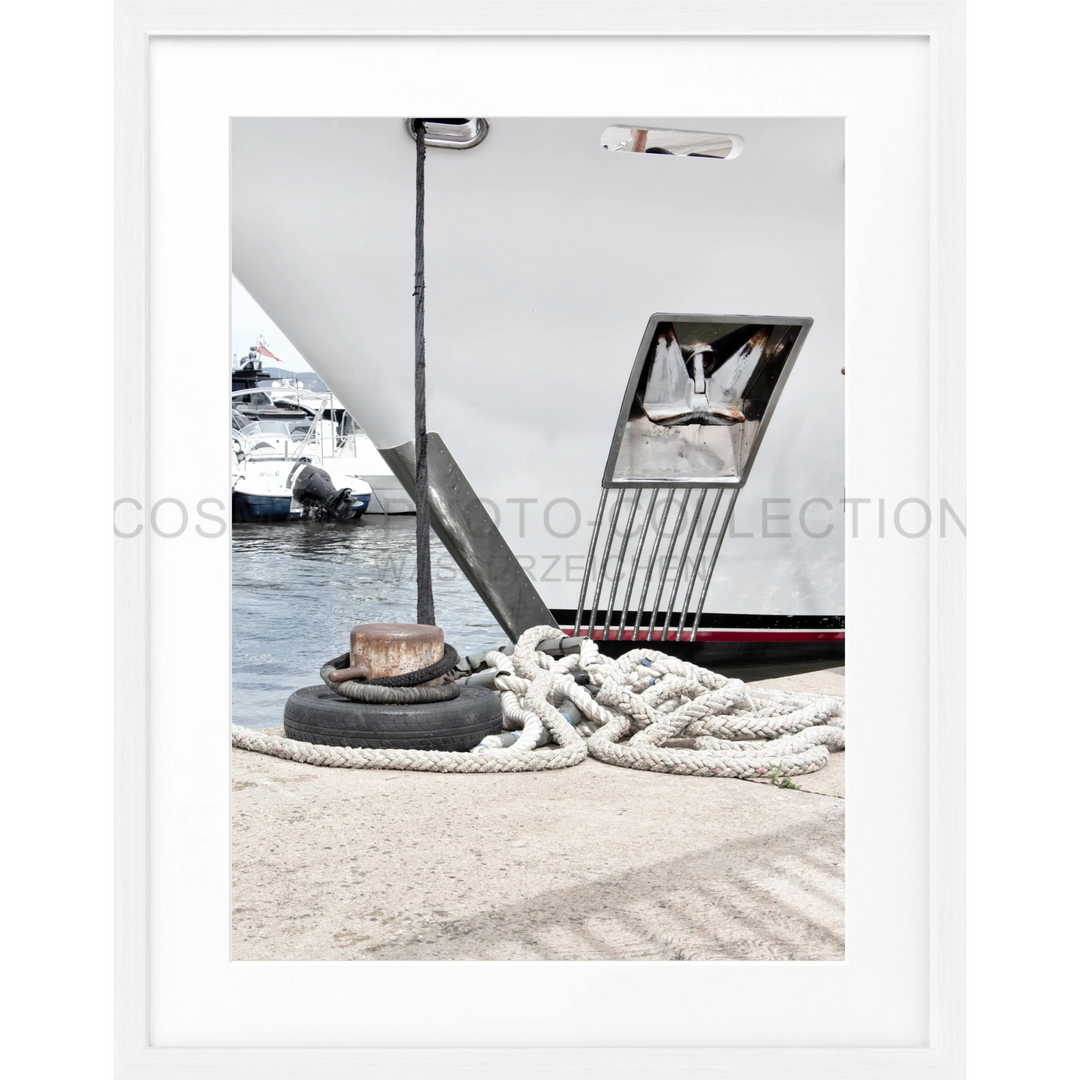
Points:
(894, 76)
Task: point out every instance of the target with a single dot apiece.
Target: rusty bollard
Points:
(377, 650)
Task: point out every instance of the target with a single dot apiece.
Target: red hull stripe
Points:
(705, 634)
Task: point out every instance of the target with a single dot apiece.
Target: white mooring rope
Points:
(732, 729)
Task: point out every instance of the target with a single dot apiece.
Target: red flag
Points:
(262, 350)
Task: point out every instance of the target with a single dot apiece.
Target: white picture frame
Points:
(941, 24)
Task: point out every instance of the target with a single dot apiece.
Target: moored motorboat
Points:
(331, 434)
(278, 476)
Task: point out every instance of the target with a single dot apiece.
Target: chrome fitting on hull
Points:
(696, 406)
(454, 133)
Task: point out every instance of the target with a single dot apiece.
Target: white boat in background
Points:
(279, 475)
(340, 443)
(601, 437)
(330, 434)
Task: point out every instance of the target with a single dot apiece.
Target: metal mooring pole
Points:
(425, 602)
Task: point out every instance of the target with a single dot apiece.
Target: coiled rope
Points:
(733, 730)
(407, 689)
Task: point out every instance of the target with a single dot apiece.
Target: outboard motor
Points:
(314, 490)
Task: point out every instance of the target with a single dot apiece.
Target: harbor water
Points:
(299, 588)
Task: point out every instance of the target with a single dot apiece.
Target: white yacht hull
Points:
(546, 258)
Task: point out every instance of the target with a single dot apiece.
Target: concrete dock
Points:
(588, 863)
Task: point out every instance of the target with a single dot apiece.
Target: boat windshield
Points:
(349, 426)
(252, 397)
(292, 430)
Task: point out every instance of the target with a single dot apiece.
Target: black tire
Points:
(316, 714)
